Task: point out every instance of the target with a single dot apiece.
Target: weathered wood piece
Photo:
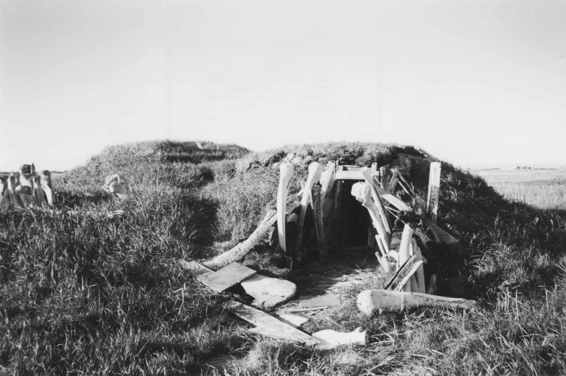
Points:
(396, 202)
(349, 174)
(315, 170)
(433, 194)
(336, 339)
(226, 277)
(193, 267)
(285, 174)
(370, 302)
(398, 281)
(268, 292)
(418, 282)
(293, 319)
(317, 214)
(270, 326)
(369, 178)
(393, 181)
(326, 186)
(362, 192)
(405, 250)
(243, 248)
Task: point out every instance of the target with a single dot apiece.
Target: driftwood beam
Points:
(370, 302)
(243, 248)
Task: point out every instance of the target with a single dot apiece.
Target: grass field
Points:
(543, 188)
(84, 293)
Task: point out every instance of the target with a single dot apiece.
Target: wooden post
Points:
(433, 195)
(326, 204)
(306, 200)
(286, 172)
(317, 214)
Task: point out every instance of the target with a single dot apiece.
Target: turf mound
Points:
(84, 292)
(498, 236)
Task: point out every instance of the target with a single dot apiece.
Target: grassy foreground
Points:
(84, 293)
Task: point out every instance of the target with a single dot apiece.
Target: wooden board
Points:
(270, 326)
(226, 277)
(268, 292)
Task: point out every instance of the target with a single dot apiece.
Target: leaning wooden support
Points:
(243, 248)
(374, 190)
(370, 302)
(362, 192)
(315, 170)
(286, 172)
(433, 194)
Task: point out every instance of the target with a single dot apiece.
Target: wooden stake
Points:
(433, 195)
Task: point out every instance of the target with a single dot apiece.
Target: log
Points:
(306, 200)
(243, 248)
(286, 172)
(370, 302)
(432, 198)
(270, 326)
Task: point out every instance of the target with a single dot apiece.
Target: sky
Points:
(478, 83)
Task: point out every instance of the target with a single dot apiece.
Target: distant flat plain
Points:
(542, 188)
